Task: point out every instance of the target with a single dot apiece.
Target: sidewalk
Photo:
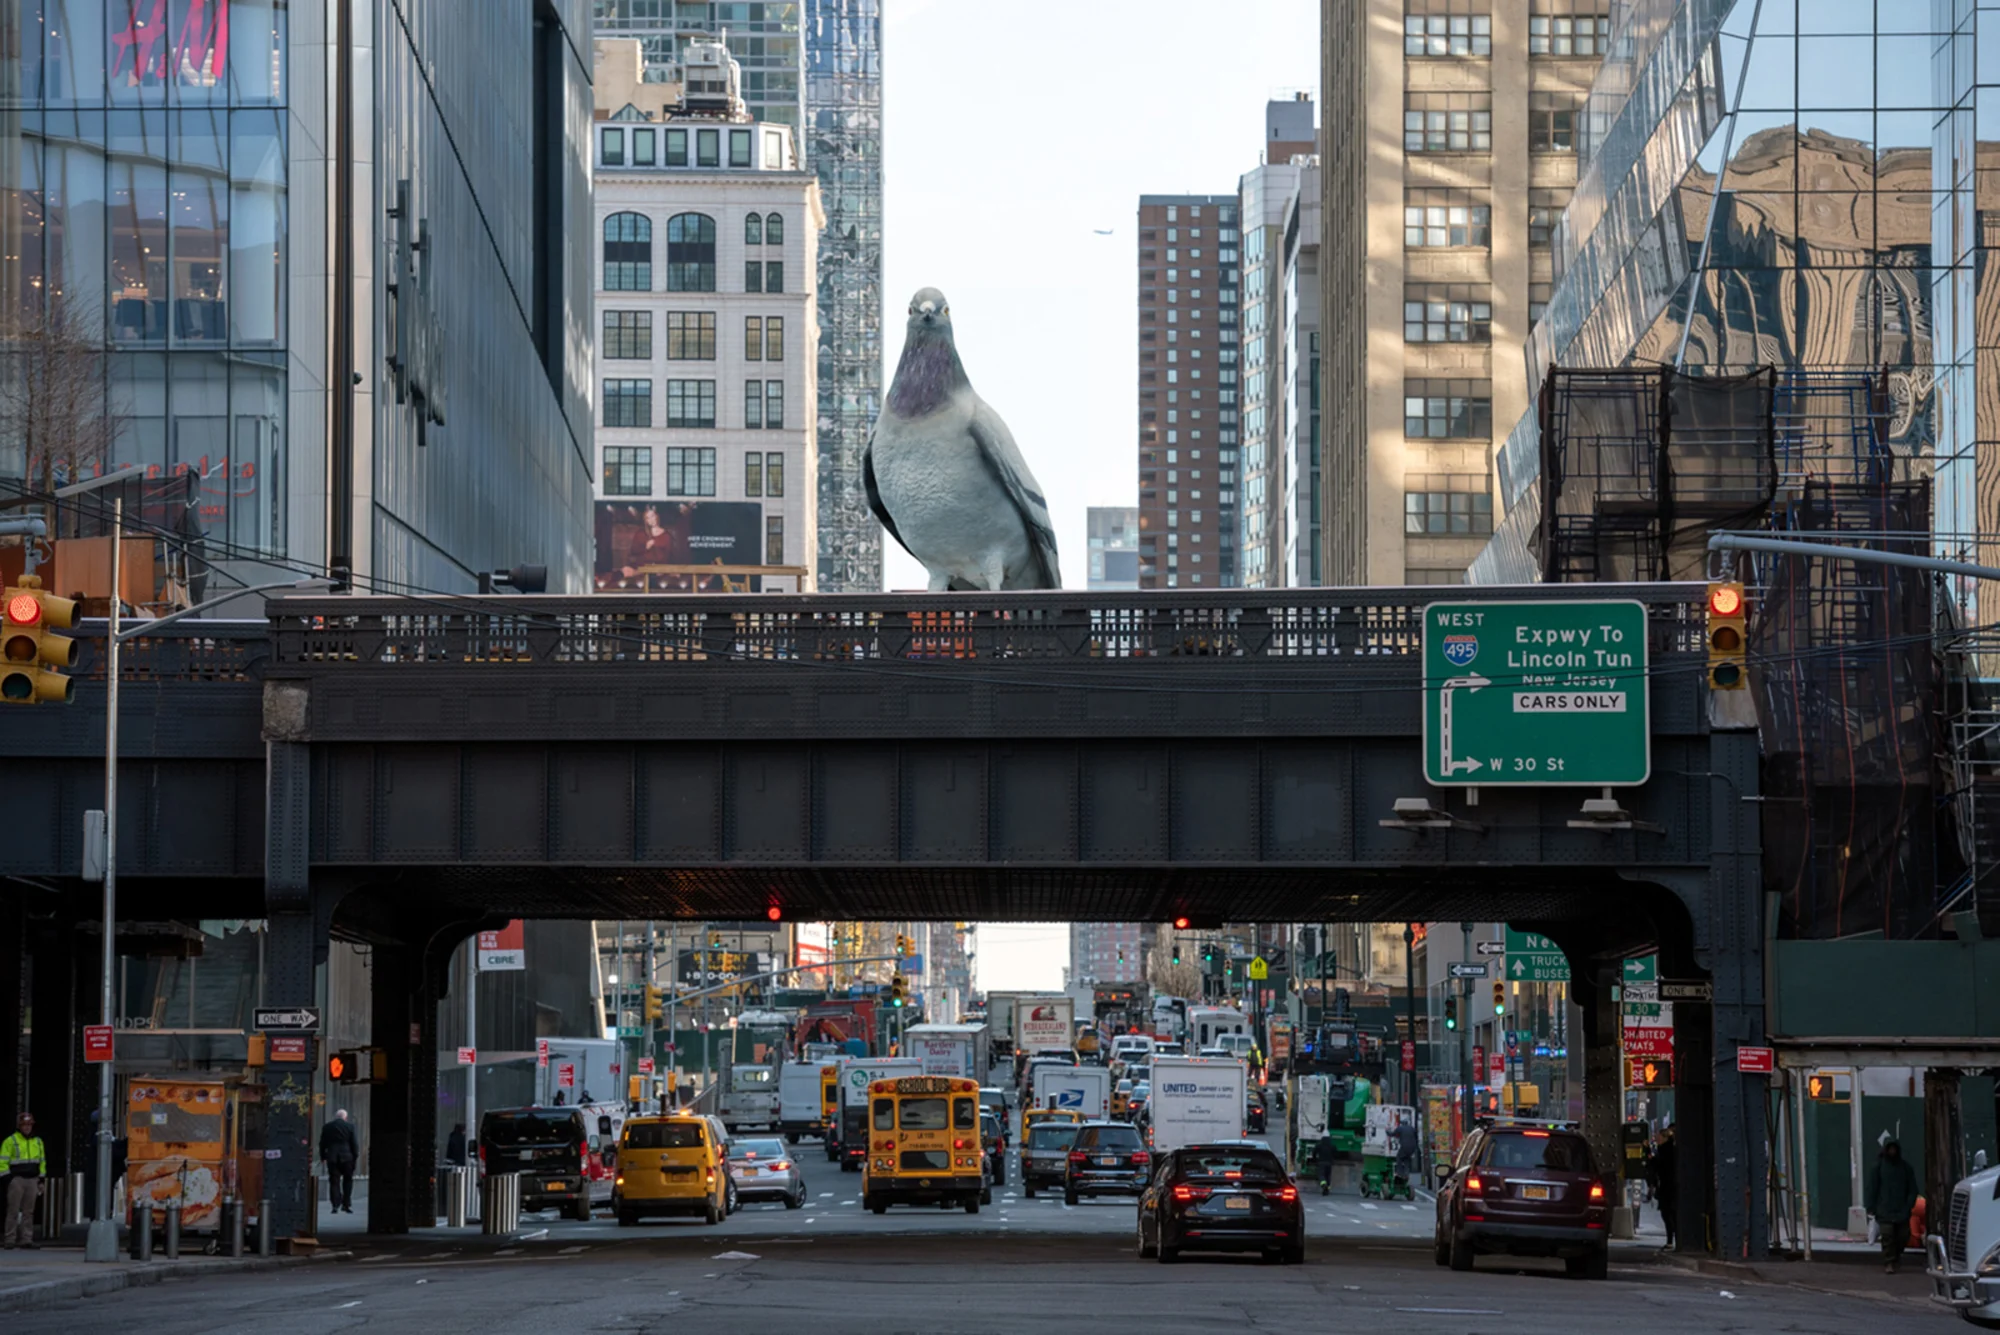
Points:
(59, 1274)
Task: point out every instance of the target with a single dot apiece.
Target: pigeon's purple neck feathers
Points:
(926, 376)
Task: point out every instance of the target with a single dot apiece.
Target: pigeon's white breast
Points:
(948, 508)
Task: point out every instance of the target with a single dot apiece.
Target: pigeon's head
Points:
(930, 313)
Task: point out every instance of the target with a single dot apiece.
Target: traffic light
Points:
(1824, 1088)
(898, 993)
(1181, 924)
(1451, 1012)
(30, 654)
(774, 913)
(654, 1007)
(1728, 646)
(1499, 997)
(1177, 952)
(1656, 1073)
(902, 944)
(337, 1067)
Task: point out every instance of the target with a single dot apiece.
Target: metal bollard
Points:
(500, 1203)
(173, 1247)
(264, 1227)
(142, 1231)
(52, 1208)
(80, 1204)
(232, 1226)
(457, 1190)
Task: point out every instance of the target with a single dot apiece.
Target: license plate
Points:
(556, 1186)
(1108, 1161)
(1236, 1203)
(527, 1156)
(1534, 1193)
(749, 1172)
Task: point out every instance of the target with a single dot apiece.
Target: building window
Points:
(1556, 28)
(1447, 505)
(774, 151)
(691, 336)
(774, 474)
(753, 404)
(628, 253)
(691, 252)
(753, 474)
(774, 229)
(774, 540)
(753, 229)
(611, 147)
(677, 148)
(1446, 218)
(1552, 121)
(628, 403)
(1539, 296)
(1447, 313)
(753, 275)
(774, 404)
(1432, 575)
(1448, 409)
(1545, 209)
(707, 148)
(691, 403)
(774, 276)
(1448, 122)
(1447, 28)
(628, 335)
(691, 470)
(739, 148)
(774, 338)
(628, 470)
(753, 338)
(643, 147)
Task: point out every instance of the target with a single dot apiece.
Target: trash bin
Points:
(455, 1184)
(500, 1203)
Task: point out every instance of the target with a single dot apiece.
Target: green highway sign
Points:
(1536, 694)
(1533, 958)
(1643, 969)
(630, 1031)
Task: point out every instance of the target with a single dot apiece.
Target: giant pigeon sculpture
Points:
(944, 474)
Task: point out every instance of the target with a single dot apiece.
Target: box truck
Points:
(856, 1074)
(1081, 1089)
(949, 1049)
(1045, 1023)
(801, 1084)
(1196, 1100)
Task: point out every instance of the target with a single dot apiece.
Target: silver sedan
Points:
(765, 1170)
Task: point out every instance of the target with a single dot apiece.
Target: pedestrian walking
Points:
(340, 1151)
(454, 1146)
(1892, 1197)
(26, 1161)
(1663, 1176)
(1405, 1136)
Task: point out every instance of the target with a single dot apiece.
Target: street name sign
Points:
(304, 1018)
(1536, 694)
(1533, 958)
(1458, 970)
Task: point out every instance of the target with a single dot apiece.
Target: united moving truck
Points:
(1196, 1100)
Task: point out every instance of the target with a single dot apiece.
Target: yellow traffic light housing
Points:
(30, 653)
(1499, 997)
(1728, 639)
(897, 994)
(654, 1008)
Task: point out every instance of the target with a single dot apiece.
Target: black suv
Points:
(1106, 1159)
(546, 1147)
(1524, 1190)
(1233, 1195)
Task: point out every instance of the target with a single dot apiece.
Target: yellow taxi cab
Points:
(1034, 1117)
(670, 1165)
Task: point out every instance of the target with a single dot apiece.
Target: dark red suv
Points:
(1524, 1190)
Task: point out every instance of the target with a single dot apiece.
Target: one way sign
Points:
(298, 1019)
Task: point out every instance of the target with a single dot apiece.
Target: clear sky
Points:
(1012, 135)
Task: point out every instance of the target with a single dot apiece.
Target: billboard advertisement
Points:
(638, 540)
(504, 949)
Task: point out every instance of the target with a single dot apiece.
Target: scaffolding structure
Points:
(1881, 786)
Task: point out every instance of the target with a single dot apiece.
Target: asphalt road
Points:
(881, 1282)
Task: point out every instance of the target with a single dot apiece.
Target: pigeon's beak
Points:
(929, 311)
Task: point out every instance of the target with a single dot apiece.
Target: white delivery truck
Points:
(800, 1111)
(1208, 1024)
(1045, 1023)
(856, 1074)
(750, 1098)
(949, 1049)
(1080, 1089)
(1196, 1100)
(1961, 1257)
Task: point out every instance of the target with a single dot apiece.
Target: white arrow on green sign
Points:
(1533, 958)
(1536, 694)
(1642, 969)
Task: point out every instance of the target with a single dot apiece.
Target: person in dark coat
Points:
(340, 1151)
(1892, 1197)
(1405, 1140)
(454, 1146)
(1663, 1176)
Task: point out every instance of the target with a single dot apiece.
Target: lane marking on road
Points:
(508, 1251)
(1454, 1311)
(826, 1195)
(370, 1260)
(1369, 1205)
(344, 1306)
(531, 1237)
(572, 1251)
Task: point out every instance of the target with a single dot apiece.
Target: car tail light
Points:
(1597, 1191)
(959, 1143)
(1232, 1173)
(1183, 1193)
(710, 1175)
(1284, 1194)
(782, 1165)
(1474, 1184)
(1078, 1156)
(1141, 1157)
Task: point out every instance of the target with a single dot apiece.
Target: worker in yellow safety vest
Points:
(25, 1161)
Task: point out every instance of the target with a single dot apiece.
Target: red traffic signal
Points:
(1725, 600)
(1180, 924)
(774, 913)
(31, 657)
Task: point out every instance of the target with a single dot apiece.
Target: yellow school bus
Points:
(923, 1144)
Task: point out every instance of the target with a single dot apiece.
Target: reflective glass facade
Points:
(1795, 184)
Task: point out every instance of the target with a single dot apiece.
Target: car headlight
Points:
(1989, 1264)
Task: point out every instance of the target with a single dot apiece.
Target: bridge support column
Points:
(61, 1102)
(1595, 989)
(13, 1005)
(298, 915)
(390, 1190)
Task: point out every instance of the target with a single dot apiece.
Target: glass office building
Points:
(169, 245)
(1798, 184)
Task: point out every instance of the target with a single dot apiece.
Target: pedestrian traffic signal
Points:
(1451, 1012)
(1826, 1088)
(1499, 997)
(30, 653)
(654, 999)
(1728, 644)
(1656, 1074)
(337, 1067)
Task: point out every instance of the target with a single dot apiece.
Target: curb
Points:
(1787, 1274)
(49, 1292)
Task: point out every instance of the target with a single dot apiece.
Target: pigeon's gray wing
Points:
(1002, 458)
(875, 494)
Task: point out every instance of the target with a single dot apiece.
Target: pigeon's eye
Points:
(944, 310)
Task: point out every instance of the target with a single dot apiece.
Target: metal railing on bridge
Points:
(1070, 627)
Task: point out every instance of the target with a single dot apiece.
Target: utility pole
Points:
(1409, 1011)
(1465, 1019)
(646, 1016)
